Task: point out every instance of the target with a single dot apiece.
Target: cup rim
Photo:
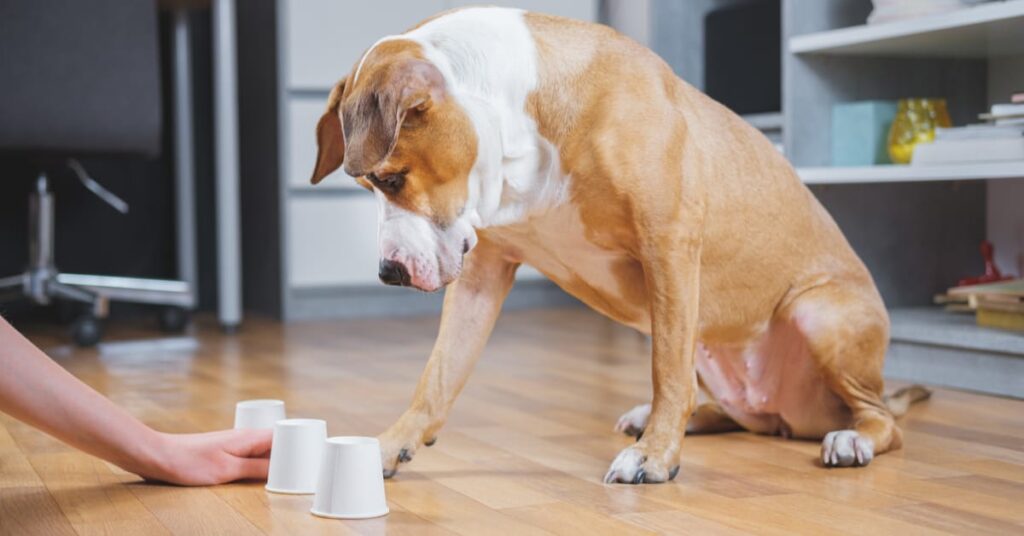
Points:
(260, 403)
(289, 491)
(353, 440)
(353, 515)
(299, 422)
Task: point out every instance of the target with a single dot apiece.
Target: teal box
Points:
(860, 132)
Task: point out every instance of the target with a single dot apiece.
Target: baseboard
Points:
(327, 303)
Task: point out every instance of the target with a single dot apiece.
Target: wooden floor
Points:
(524, 451)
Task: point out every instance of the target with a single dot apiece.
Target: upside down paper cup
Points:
(258, 414)
(351, 484)
(295, 457)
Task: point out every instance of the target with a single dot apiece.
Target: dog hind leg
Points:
(847, 332)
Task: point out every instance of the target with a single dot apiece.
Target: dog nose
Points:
(393, 273)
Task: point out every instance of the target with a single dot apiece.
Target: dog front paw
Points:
(393, 453)
(399, 444)
(634, 465)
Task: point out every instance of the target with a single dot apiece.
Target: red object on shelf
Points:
(992, 273)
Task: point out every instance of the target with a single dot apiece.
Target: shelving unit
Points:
(978, 32)
(916, 227)
(896, 173)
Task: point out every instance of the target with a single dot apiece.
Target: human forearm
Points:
(38, 391)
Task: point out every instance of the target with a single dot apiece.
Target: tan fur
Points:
(398, 120)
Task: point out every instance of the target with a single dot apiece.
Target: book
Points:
(1005, 114)
(962, 151)
(1007, 109)
(979, 131)
(1014, 287)
(1000, 319)
(992, 303)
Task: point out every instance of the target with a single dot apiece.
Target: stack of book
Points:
(996, 305)
(999, 139)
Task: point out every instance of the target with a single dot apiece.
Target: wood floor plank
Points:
(682, 523)
(842, 518)
(289, 515)
(571, 520)
(952, 520)
(196, 511)
(522, 453)
(989, 485)
(31, 510)
(454, 511)
(15, 469)
(993, 468)
(952, 496)
(92, 497)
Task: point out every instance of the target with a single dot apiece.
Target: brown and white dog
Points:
(493, 137)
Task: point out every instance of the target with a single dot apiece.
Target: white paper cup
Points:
(258, 414)
(351, 484)
(295, 456)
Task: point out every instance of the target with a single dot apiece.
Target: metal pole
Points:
(184, 162)
(229, 277)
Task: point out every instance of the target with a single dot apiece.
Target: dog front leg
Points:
(672, 273)
(471, 306)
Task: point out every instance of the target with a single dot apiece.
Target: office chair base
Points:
(87, 330)
(42, 282)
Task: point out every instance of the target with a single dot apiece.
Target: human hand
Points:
(210, 458)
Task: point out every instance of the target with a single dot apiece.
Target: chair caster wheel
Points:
(173, 319)
(86, 330)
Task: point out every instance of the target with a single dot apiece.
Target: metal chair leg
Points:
(12, 287)
(62, 291)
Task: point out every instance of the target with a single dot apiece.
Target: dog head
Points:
(395, 126)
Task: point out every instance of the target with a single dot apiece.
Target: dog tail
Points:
(900, 401)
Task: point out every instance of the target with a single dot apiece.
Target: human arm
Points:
(36, 390)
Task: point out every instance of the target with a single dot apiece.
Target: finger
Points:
(248, 443)
(252, 468)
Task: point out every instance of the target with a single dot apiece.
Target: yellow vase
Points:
(915, 123)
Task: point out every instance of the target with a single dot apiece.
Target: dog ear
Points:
(373, 124)
(329, 139)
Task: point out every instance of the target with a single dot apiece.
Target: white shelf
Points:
(934, 326)
(994, 29)
(764, 121)
(894, 173)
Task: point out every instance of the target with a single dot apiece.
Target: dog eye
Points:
(390, 183)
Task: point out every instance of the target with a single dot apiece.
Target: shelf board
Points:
(895, 173)
(930, 346)
(987, 30)
(934, 326)
(764, 121)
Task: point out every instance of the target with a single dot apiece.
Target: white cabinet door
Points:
(324, 38)
(332, 240)
(303, 114)
(575, 9)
